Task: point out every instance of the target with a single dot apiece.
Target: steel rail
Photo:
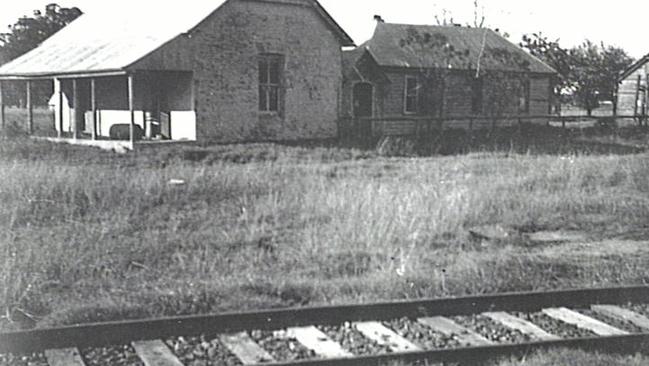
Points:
(123, 332)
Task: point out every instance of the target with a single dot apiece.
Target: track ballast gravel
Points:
(114, 356)
(617, 323)
(30, 360)
(422, 335)
(492, 330)
(641, 309)
(556, 327)
(202, 351)
(281, 346)
(354, 341)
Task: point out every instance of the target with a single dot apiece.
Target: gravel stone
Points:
(556, 327)
(114, 356)
(281, 346)
(354, 341)
(422, 335)
(202, 351)
(642, 309)
(492, 330)
(23, 360)
(619, 324)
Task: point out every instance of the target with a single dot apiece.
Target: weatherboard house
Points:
(244, 70)
(406, 73)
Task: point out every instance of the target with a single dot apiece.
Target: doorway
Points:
(363, 100)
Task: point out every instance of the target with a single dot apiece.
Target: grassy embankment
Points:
(92, 236)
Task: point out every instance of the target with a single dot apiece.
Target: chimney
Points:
(379, 19)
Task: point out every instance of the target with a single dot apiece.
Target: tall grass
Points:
(114, 238)
(564, 357)
(576, 358)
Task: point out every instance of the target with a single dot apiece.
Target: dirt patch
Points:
(548, 237)
(598, 249)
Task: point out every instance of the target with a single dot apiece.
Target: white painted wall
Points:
(107, 119)
(67, 112)
(183, 123)
(183, 126)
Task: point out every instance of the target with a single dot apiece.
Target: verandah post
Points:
(76, 106)
(131, 108)
(58, 91)
(30, 108)
(93, 108)
(2, 108)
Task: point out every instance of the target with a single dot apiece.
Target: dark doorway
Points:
(363, 95)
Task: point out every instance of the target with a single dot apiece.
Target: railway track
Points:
(468, 330)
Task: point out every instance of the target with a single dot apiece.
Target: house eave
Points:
(63, 75)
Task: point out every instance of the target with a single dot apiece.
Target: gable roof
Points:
(388, 48)
(102, 43)
(634, 67)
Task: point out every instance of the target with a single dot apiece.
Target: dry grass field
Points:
(571, 358)
(93, 236)
(576, 358)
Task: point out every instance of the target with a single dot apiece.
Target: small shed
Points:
(235, 71)
(406, 73)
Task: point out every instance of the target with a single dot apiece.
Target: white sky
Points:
(618, 23)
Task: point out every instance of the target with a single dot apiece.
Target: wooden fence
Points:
(376, 128)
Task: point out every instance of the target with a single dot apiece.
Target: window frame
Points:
(270, 85)
(407, 95)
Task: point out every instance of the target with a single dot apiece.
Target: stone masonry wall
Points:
(226, 48)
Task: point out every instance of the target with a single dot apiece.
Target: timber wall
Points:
(628, 92)
(389, 103)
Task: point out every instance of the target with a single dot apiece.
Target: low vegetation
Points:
(570, 358)
(575, 358)
(91, 236)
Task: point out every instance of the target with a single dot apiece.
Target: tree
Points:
(555, 56)
(26, 34)
(615, 61)
(29, 32)
(587, 74)
(595, 73)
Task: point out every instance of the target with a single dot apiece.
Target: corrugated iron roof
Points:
(105, 42)
(389, 47)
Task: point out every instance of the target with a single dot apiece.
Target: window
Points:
(411, 99)
(477, 85)
(270, 80)
(524, 98)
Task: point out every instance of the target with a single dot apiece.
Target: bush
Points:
(395, 146)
